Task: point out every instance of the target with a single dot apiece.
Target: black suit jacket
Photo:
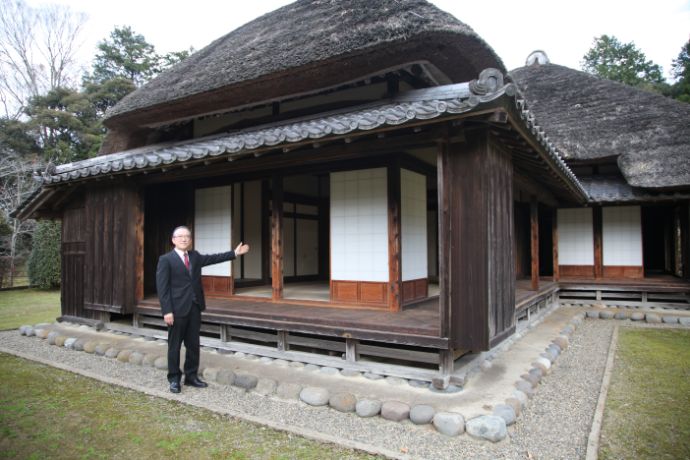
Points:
(178, 288)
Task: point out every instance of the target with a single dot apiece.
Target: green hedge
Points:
(44, 261)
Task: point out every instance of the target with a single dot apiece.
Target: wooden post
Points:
(534, 240)
(444, 229)
(668, 243)
(479, 251)
(351, 352)
(225, 335)
(243, 237)
(394, 238)
(677, 242)
(139, 248)
(324, 232)
(283, 344)
(554, 241)
(277, 238)
(445, 368)
(597, 222)
(685, 239)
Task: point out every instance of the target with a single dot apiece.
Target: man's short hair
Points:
(180, 228)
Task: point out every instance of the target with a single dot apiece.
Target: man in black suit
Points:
(181, 295)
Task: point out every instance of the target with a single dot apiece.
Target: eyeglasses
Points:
(186, 237)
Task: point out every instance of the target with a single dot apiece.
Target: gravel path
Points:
(554, 425)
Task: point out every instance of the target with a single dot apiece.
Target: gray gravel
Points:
(555, 423)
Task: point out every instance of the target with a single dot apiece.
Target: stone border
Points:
(603, 311)
(492, 427)
(595, 433)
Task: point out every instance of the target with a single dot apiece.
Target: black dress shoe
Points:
(195, 382)
(175, 387)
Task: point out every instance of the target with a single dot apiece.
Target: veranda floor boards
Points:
(422, 319)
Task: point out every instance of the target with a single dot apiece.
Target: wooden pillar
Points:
(668, 244)
(394, 238)
(277, 238)
(678, 240)
(351, 350)
(554, 239)
(324, 226)
(534, 240)
(598, 224)
(139, 248)
(282, 341)
(225, 335)
(480, 242)
(445, 368)
(443, 237)
(685, 239)
(243, 236)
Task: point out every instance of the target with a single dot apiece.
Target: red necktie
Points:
(186, 260)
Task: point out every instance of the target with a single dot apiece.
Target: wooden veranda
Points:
(415, 325)
(407, 343)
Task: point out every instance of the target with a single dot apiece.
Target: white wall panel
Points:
(212, 225)
(575, 237)
(413, 225)
(359, 225)
(622, 236)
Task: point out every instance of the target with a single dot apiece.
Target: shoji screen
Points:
(622, 236)
(414, 225)
(575, 237)
(212, 225)
(359, 225)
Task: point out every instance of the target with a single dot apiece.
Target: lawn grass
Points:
(50, 413)
(647, 411)
(28, 306)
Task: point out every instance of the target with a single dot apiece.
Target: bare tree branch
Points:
(16, 185)
(37, 51)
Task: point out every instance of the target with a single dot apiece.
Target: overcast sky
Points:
(513, 28)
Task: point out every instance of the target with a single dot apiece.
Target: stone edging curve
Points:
(492, 427)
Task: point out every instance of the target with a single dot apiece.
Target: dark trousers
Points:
(184, 329)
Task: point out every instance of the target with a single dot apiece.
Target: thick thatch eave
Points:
(615, 190)
(304, 46)
(590, 119)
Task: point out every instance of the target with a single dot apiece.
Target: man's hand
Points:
(168, 319)
(241, 249)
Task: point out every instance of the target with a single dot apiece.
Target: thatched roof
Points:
(590, 119)
(606, 190)
(304, 46)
